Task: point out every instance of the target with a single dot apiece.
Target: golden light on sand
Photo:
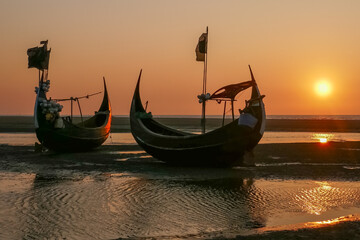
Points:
(323, 88)
(331, 221)
(334, 221)
(308, 225)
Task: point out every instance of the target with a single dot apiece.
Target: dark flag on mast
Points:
(201, 48)
(38, 57)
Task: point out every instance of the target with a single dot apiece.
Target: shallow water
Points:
(183, 204)
(124, 193)
(269, 137)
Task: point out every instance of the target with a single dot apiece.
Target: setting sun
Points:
(323, 88)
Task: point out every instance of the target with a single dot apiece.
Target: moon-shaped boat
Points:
(60, 133)
(224, 146)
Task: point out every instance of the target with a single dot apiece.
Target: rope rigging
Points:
(78, 102)
(75, 98)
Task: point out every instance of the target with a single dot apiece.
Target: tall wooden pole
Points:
(203, 121)
(71, 100)
(223, 122)
(232, 109)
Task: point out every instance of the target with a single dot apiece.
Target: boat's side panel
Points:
(69, 141)
(215, 155)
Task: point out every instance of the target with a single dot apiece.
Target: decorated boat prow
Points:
(61, 133)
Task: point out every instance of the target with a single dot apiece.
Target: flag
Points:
(38, 57)
(201, 48)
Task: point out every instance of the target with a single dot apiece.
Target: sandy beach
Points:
(292, 160)
(277, 163)
(294, 164)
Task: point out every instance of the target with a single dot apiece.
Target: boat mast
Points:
(71, 102)
(203, 121)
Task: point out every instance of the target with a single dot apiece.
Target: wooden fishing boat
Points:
(224, 146)
(221, 147)
(60, 133)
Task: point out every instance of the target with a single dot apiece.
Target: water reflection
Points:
(315, 200)
(319, 199)
(179, 202)
(323, 137)
(330, 221)
(333, 221)
(158, 207)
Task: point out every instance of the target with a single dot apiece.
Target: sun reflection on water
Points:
(323, 140)
(319, 199)
(332, 221)
(322, 137)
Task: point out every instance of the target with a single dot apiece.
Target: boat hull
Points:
(71, 137)
(64, 140)
(225, 154)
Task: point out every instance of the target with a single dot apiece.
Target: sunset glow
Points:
(287, 43)
(323, 88)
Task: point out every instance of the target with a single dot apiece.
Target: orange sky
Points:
(290, 45)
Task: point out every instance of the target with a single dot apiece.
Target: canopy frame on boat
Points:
(228, 93)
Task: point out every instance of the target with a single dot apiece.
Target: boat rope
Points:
(75, 98)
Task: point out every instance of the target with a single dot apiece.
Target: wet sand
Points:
(339, 161)
(334, 161)
(121, 124)
(344, 228)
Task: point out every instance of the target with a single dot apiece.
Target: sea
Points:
(296, 117)
(122, 193)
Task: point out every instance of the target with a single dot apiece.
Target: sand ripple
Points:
(120, 205)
